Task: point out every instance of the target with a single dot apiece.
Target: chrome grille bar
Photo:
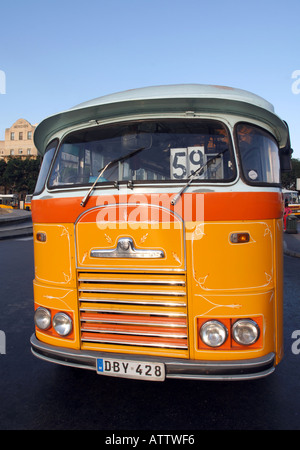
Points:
(125, 281)
(137, 310)
(120, 292)
(134, 302)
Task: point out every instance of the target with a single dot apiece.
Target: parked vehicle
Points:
(158, 235)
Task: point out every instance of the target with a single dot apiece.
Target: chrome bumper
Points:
(175, 368)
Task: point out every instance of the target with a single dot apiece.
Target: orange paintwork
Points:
(218, 206)
(222, 280)
(92, 232)
(58, 299)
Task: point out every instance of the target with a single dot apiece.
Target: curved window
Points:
(259, 155)
(144, 151)
(48, 157)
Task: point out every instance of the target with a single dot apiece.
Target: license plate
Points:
(131, 369)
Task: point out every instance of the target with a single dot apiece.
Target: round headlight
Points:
(213, 333)
(62, 324)
(42, 318)
(245, 331)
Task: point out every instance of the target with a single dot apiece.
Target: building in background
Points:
(19, 141)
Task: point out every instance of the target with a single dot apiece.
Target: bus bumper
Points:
(175, 368)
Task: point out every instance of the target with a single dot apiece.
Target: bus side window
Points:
(47, 160)
(259, 155)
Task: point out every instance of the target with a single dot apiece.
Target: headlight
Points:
(62, 324)
(213, 333)
(42, 318)
(245, 331)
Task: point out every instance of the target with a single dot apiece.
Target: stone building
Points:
(19, 140)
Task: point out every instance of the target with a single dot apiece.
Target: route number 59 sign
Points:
(185, 161)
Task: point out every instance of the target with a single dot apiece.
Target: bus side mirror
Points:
(285, 159)
(285, 154)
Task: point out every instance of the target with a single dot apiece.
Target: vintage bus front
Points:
(158, 235)
(27, 203)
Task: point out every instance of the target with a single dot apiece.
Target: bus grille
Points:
(140, 311)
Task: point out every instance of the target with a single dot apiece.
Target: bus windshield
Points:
(143, 151)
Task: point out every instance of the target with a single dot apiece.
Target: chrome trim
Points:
(149, 306)
(133, 302)
(124, 281)
(163, 333)
(116, 291)
(249, 322)
(126, 249)
(133, 322)
(138, 343)
(217, 323)
(119, 312)
(175, 367)
(132, 269)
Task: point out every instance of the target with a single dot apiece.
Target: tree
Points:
(288, 179)
(2, 172)
(32, 168)
(19, 175)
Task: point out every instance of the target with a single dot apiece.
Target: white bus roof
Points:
(8, 195)
(162, 100)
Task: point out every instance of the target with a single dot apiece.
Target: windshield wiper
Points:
(195, 175)
(101, 172)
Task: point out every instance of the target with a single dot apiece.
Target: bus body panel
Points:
(233, 205)
(222, 280)
(146, 260)
(56, 299)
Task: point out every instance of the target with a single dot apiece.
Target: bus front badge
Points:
(126, 249)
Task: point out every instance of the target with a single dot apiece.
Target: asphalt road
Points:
(36, 395)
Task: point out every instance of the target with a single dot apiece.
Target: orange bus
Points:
(27, 203)
(157, 220)
(9, 201)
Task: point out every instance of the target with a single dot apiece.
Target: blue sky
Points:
(56, 54)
